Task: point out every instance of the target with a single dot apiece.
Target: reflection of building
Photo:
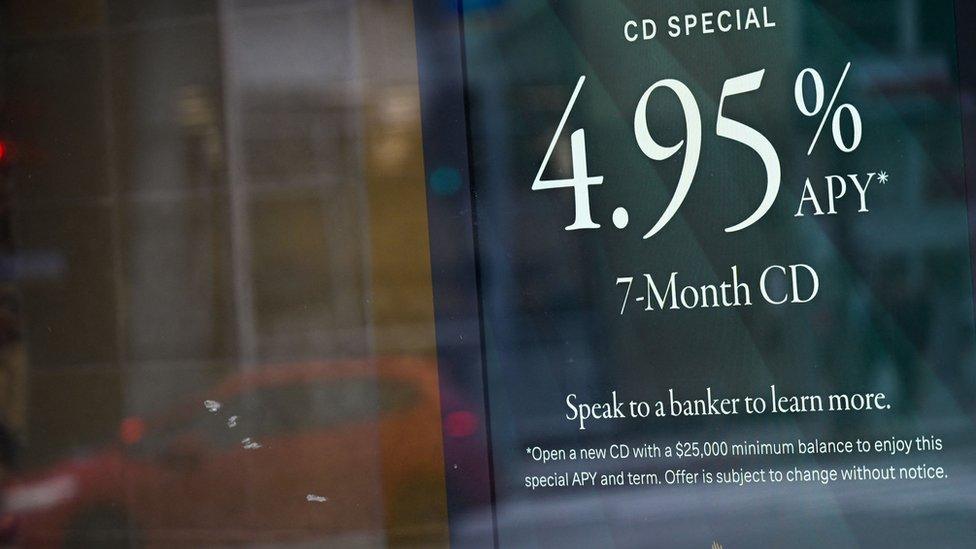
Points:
(226, 185)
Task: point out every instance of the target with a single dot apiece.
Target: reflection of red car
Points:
(293, 453)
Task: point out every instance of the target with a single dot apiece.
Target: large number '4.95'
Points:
(725, 127)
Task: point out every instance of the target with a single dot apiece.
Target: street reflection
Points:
(215, 312)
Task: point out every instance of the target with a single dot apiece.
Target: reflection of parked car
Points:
(362, 435)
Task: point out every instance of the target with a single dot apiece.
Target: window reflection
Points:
(215, 202)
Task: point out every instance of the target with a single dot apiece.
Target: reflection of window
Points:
(298, 140)
(294, 136)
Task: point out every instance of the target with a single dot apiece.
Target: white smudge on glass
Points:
(249, 444)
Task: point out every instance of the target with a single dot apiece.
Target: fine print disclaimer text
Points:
(737, 463)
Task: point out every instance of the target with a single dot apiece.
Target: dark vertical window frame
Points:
(454, 267)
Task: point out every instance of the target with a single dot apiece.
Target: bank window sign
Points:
(723, 272)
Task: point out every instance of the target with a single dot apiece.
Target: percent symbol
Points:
(818, 109)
